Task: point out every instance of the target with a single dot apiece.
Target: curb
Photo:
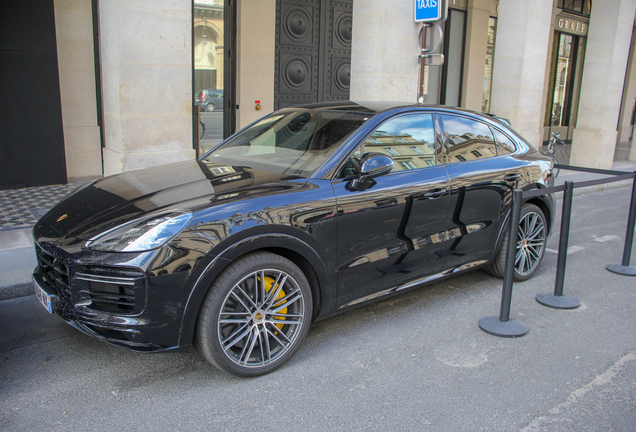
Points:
(23, 289)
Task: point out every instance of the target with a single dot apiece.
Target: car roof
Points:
(376, 107)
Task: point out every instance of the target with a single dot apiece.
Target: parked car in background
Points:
(209, 100)
(305, 213)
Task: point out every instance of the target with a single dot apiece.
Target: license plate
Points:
(43, 296)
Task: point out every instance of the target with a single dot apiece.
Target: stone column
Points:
(475, 54)
(256, 60)
(76, 63)
(146, 49)
(384, 51)
(608, 42)
(629, 93)
(521, 51)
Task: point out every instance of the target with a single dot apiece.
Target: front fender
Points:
(278, 242)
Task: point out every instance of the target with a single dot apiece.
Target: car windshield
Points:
(293, 142)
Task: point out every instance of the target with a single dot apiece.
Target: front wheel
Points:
(531, 241)
(255, 315)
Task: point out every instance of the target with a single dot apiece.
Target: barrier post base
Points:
(510, 329)
(621, 269)
(558, 302)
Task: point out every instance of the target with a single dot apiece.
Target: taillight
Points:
(202, 96)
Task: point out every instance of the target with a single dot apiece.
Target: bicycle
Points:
(555, 140)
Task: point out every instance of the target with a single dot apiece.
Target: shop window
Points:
(208, 77)
(565, 78)
(582, 7)
(467, 139)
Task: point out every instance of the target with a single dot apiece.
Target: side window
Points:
(504, 144)
(467, 139)
(409, 140)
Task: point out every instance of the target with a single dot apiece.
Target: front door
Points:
(394, 231)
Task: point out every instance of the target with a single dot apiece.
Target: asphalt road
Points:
(417, 361)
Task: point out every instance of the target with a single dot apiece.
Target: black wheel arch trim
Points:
(265, 241)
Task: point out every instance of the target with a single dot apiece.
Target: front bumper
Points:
(110, 304)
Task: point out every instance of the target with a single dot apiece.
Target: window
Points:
(399, 137)
(407, 165)
(582, 7)
(467, 139)
(504, 144)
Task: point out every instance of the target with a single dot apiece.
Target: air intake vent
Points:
(111, 293)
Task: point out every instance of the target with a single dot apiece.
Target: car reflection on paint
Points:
(305, 213)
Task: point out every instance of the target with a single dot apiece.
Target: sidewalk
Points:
(20, 209)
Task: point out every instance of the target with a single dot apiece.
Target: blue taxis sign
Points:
(430, 10)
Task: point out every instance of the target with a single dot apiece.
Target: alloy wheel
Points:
(261, 318)
(530, 243)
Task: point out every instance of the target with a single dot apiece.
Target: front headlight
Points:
(143, 234)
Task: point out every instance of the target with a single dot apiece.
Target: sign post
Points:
(428, 12)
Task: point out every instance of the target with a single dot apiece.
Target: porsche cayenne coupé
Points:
(305, 213)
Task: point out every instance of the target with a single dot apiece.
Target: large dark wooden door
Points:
(31, 134)
(313, 51)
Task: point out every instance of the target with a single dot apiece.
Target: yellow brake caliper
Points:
(269, 284)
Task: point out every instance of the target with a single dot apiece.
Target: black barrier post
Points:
(502, 325)
(560, 300)
(625, 268)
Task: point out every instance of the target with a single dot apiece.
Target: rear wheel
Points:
(255, 315)
(210, 107)
(531, 242)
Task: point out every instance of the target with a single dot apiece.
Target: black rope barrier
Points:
(559, 300)
(625, 269)
(502, 325)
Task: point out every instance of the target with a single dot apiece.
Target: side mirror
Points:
(371, 165)
(374, 165)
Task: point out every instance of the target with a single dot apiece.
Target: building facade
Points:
(143, 83)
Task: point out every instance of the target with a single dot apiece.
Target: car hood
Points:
(117, 199)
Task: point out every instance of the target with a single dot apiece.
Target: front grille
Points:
(102, 290)
(55, 271)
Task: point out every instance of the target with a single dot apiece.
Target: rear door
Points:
(394, 231)
(482, 179)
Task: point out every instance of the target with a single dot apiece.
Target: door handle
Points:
(510, 178)
(435, 193)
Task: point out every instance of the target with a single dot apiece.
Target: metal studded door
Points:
(313, 51)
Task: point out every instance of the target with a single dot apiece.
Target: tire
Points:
(248, 332)
(530, 245)
(210, 107)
